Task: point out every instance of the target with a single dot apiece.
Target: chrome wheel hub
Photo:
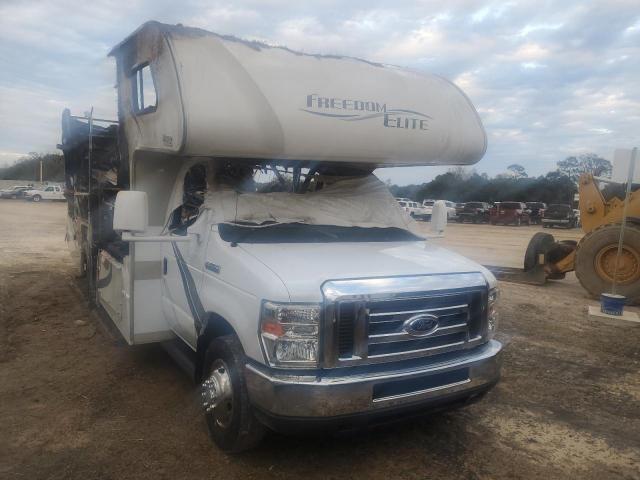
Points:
(217, 394)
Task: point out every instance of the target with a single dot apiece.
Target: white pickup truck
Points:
(51, 192)
(450, 207)
(414, 209)
(248, 234)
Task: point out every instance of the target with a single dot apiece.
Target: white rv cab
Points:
(250, 235)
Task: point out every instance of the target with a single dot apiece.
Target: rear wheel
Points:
(36, 198)
(596, 261)
(230, 418)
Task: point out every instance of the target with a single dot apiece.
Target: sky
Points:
(549, 79)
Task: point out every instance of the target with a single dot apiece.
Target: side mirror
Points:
(131, 212)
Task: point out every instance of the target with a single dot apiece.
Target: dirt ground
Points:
(77, 403)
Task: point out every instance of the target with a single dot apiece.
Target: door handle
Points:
(164, 266)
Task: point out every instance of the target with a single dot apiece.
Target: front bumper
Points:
(555, 220)
(326, 396)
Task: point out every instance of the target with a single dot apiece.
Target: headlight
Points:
(492, 312)
(289, 334)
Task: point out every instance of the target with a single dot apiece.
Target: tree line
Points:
(28, 168)
(462, 185)
(458, 184)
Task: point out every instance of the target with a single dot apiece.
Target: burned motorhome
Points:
(227, 217)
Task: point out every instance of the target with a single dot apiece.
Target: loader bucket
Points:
(556, 258)
(544, 259)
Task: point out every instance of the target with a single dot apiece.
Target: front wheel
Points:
(597, 262)
(229, 415)
(36, 198)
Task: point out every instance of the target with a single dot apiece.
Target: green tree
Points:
(555, 187)
(574, 166)
(517, 171)
(28, 168)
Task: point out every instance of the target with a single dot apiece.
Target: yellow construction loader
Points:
(594, 257)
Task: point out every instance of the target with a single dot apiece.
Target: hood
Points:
(304, 267)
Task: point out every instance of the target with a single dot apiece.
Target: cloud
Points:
(548, 79)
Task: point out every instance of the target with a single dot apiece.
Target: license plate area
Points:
(412, 387)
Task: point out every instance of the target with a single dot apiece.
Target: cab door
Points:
(47, 193)
(182, 273)
(183, 262)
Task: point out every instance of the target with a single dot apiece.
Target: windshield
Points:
(326, 207)
(559, 208)
(303, 233)
(428, 203)
(510, 205)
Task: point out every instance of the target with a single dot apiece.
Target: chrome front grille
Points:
(369, 327)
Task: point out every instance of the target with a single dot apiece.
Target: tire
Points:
(541, 242)
(36, 198)
(594, 257)
(232, 425)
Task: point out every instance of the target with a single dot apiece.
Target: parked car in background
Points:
(414, 209)
(560, 215)
(420, 212)
(536, 211)
(459, 208)
(428, 208)
(510, 213)
(16, 191)
(451, 210)
(52, 192)
(475, 212)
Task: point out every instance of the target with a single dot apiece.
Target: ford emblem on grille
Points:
(421, 325)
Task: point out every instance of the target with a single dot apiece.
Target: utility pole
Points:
(40, 171)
